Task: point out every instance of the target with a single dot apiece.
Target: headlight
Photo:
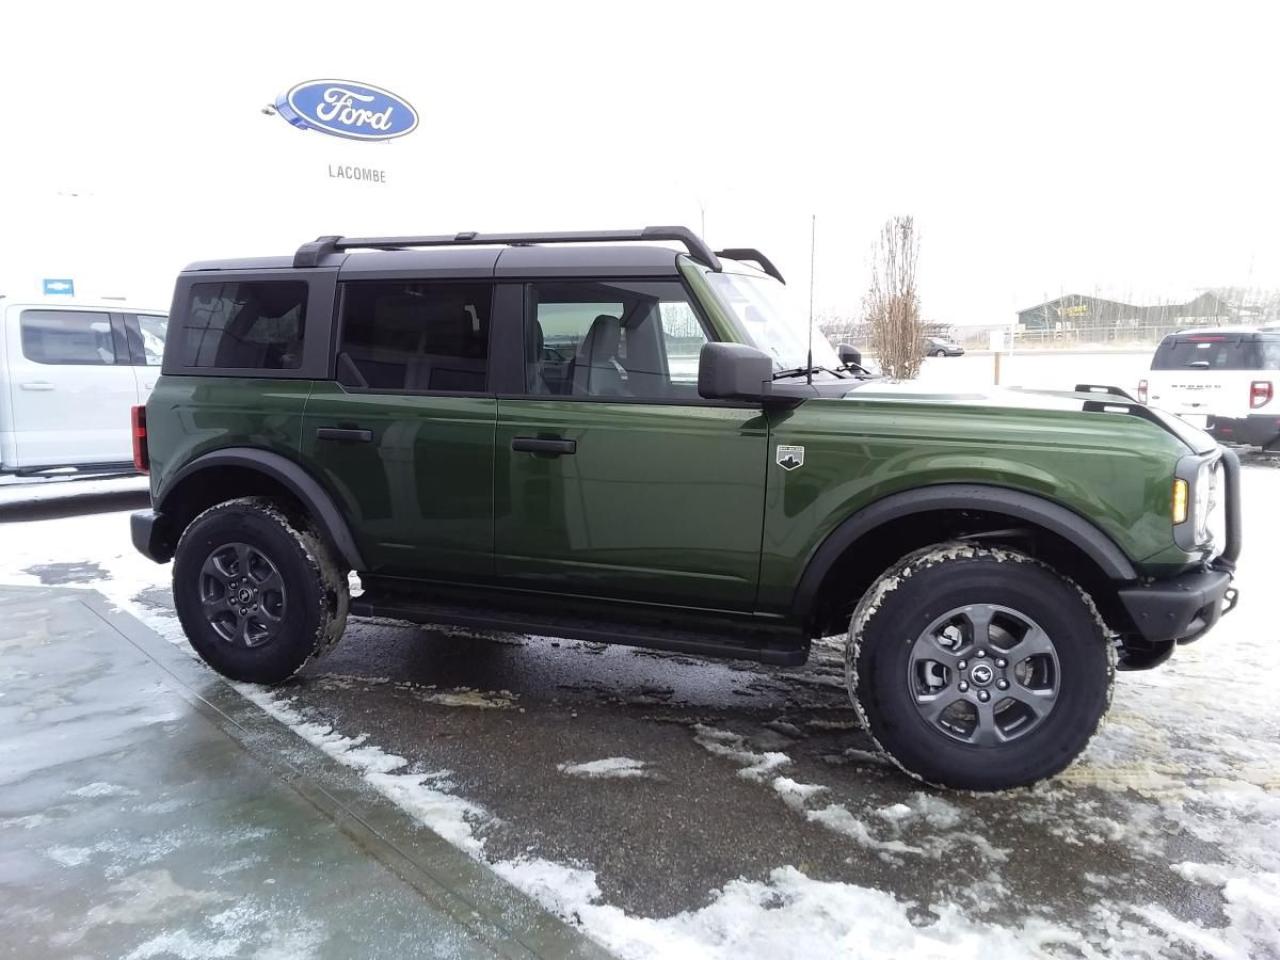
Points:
(1207, 482)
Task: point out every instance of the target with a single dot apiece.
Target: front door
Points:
(71, 387)
(404, 438)
(612, 477)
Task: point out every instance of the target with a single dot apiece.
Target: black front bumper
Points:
(1184, 608)
(1181, 609)
(151, 535)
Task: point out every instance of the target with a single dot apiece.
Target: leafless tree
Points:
(891, 305)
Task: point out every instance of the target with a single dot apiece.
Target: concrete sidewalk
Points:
(148, 810)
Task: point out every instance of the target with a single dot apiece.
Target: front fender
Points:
(1068, 470)
(1033, 509)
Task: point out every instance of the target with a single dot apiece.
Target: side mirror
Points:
(849, 355)
(733, 371)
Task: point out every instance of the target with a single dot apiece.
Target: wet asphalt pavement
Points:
(1171, 781)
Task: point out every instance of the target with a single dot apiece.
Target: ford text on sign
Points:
(344, 108)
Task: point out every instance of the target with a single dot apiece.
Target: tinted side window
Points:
(1207, 352)
(146, 338)
(415, 336)
(622, 339)
(245, 325)
(67, 337)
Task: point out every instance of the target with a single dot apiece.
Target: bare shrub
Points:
(891, 306)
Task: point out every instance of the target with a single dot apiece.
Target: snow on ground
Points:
(1045, 369)
(1189, 755)
(609, 768)
(37, 489)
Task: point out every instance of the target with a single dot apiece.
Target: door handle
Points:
(553, 446)
(344, 434)
(36, 385)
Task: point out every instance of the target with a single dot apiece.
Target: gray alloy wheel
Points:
(258, 592)
(984, 674)
(242, 595)
(978, 667)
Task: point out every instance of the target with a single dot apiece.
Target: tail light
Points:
(138, 418)
(1259, 393)
(1142, 391)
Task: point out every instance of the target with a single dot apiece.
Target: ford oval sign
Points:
(348, 109)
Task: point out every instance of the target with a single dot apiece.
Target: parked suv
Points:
(69, 373)
(576, 435)
(1225, 380)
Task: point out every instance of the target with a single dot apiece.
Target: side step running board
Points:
(737, 641)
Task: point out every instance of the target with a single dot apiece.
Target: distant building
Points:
(1077, 312)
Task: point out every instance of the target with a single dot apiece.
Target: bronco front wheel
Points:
(978, 668)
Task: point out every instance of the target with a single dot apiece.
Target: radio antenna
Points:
(813, 237)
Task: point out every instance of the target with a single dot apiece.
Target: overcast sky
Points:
(1121, 148)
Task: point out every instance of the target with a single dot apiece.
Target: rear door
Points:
(146, 335)
(71, 387)
(613, 478)
(1199, 375)
(403, 437)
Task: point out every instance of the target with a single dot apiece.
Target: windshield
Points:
(763, 310)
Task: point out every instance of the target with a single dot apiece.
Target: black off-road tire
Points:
(301, 613)
(894, 627)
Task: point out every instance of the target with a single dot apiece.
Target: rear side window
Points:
(245, 325)
(413, 336)
(1270, 353)
(68, 337)
(1208, 352)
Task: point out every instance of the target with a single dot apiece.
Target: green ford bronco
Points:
(588, 436)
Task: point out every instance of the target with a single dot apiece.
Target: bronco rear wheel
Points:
(256, 594)
(978, 668)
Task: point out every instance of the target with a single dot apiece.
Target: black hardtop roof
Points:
(584, 253)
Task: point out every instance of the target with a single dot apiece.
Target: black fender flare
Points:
(1054, 517)
(333, 525)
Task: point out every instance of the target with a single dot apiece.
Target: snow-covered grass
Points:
(1189, 762)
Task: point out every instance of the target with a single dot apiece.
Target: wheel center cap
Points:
(982, 674)
(245, 595)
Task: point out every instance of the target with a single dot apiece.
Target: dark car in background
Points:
(941, 347)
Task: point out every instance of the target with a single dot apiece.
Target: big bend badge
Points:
(789, 457)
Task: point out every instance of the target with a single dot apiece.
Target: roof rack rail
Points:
(310, 254)
(1104, 389)
(755, 256)
(1133, 408)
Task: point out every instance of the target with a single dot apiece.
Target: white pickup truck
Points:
(69, 374)
(1225, 380)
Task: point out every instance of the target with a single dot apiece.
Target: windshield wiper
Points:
(801, 371)
(793, 372)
